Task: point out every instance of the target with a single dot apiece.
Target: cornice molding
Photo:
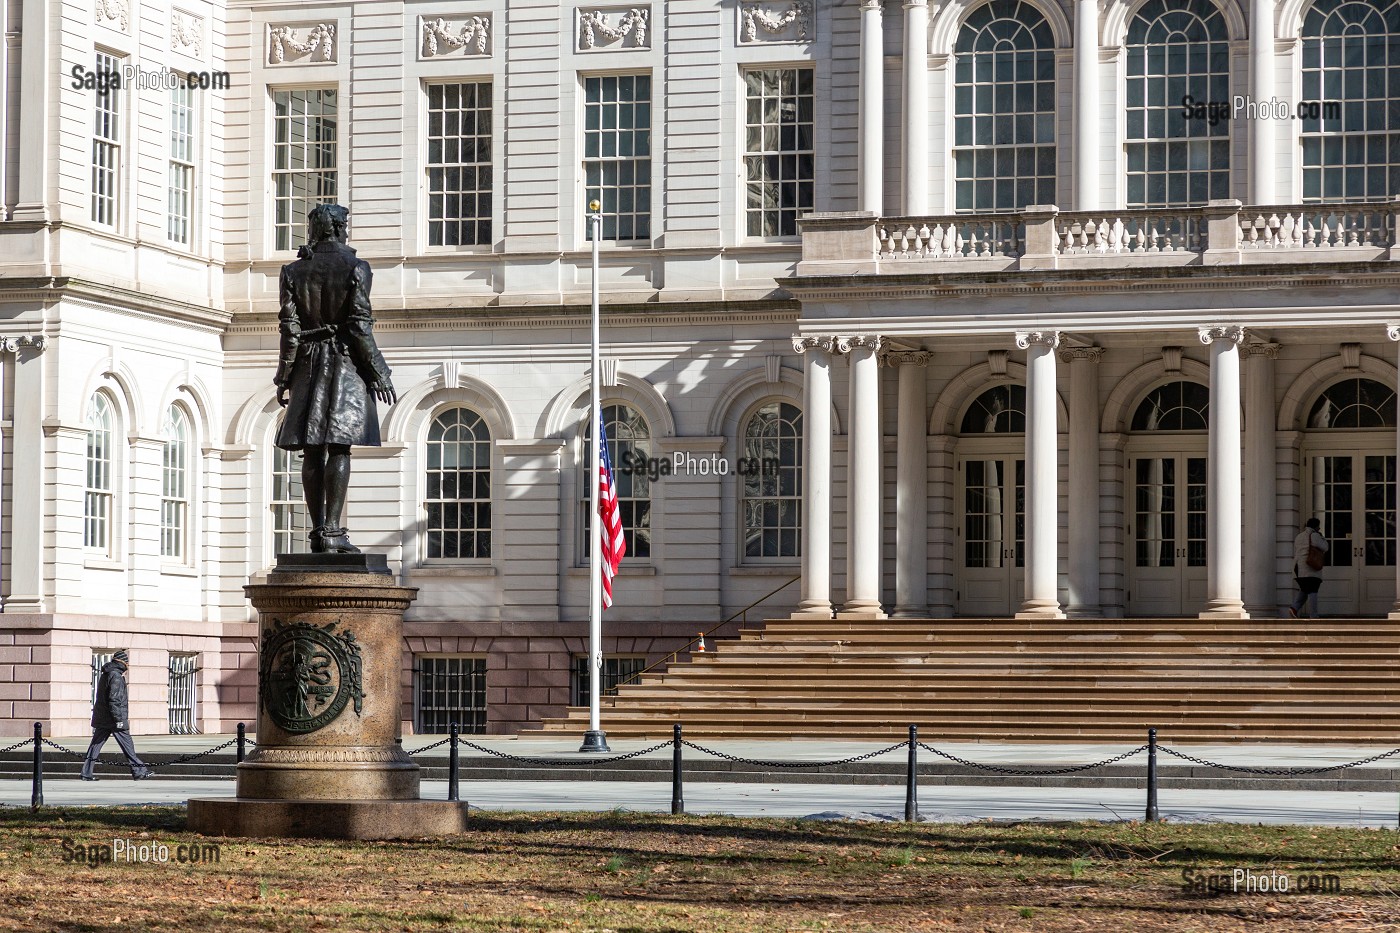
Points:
(112, 299)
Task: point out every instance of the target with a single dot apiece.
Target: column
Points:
(1084, 518)
(1042, 599)
(911, 485)
(816, 476)
(26, 517)
(35, 106)
(872, 107)
(1087, 182)
(863, 480)
(1262, 62)
(1223, 499)
(1260, 517)
(916, 108)
(1393, 332)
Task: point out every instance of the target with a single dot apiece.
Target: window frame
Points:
(182, 503)
(108, 493)
(186, 166)
(300, 545)
(744, 210)
(581, 536)
(115, 144)
(494, 199)
(423, 480)
(653, 186)
(740, 499)
(296, 223)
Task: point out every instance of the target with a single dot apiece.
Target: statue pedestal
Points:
(328, 760)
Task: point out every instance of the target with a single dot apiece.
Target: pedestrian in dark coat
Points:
(330, 372)
(109, 719)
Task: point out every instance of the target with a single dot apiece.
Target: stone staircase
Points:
(1082, 680)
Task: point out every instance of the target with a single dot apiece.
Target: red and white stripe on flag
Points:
(614, 542)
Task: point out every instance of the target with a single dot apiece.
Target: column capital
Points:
(876, 5)
(1092, 354)
(1231, 332)
(801, 343)
(15, 344)
(856, 341)
(904, 358)
(1392, 331)
(1261, 349)
(1045, 338)
(915, 3)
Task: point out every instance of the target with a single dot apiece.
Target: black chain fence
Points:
(153, 765)
(587, 762)
(1035, 772)
(1278, 772)
(762, 763)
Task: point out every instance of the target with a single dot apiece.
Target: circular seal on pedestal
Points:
(308, 675)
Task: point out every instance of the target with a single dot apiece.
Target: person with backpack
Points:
(1309, 557)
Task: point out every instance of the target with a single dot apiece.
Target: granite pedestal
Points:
(328, 762)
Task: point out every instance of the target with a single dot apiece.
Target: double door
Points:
(991, 535)
(1168, 534)
(1354, 496)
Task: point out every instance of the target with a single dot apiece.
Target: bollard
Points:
(677, 798)
(242, 741)
(452, 787)
(911, 782)
(1151, 775)
(36, 796)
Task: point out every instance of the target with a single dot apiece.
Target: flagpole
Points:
(595, 740)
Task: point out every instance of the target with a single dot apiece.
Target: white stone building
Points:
(1132, 338)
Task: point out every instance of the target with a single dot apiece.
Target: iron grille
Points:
(615, 669)
(451, 689)
(183, 669)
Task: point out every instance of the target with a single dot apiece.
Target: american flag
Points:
(614, 543)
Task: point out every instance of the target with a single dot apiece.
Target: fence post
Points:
(452, 789)
(36, 796)
(1151, 775)
(677, 797)
(242, 741)
(911, 782)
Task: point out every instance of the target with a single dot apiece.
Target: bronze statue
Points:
(332, 369)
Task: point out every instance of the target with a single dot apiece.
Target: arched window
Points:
(999, 410)
(290, 522)
(1354, 403)
(771, 486)
(1178, 57)
(459, 486)
(634, 467)
(1004, 102)
(97, 487)
(1176, 406)
(174, 485)
(1350, 105)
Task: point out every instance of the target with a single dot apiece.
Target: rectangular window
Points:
(106, 140)
(459, 164)
(290, 523)
(183, 669)
(180, 197)
(779, 159)
(451, 689)
(304, 158)
(615, 669)
(1003, 128)
(617, 153)
(100, 658)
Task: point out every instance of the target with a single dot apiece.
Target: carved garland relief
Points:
(319, 46)
(623, 29)
(789, 22)
(470, 35)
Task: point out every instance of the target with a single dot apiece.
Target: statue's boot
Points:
(317, 538)
(337, 541)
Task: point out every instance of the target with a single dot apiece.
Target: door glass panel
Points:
(1155, 505)
(1196, 511)
(983, 509)
(1380, 511)
(1020, 513)
(1332, 497)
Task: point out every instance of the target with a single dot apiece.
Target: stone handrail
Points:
(1319, 226)
(1044, 237)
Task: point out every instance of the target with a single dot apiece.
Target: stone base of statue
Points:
(328, 761)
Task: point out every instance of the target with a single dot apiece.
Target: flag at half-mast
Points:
(614, 543)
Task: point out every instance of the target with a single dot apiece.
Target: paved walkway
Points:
(868, 801)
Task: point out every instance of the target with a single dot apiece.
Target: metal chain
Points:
(1032, 772)
(566, 762)
(428, 748)
(1277, 772)
(149, 764)
(792, 764)
(16, 746)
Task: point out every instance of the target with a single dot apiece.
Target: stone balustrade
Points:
(1044, 237)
